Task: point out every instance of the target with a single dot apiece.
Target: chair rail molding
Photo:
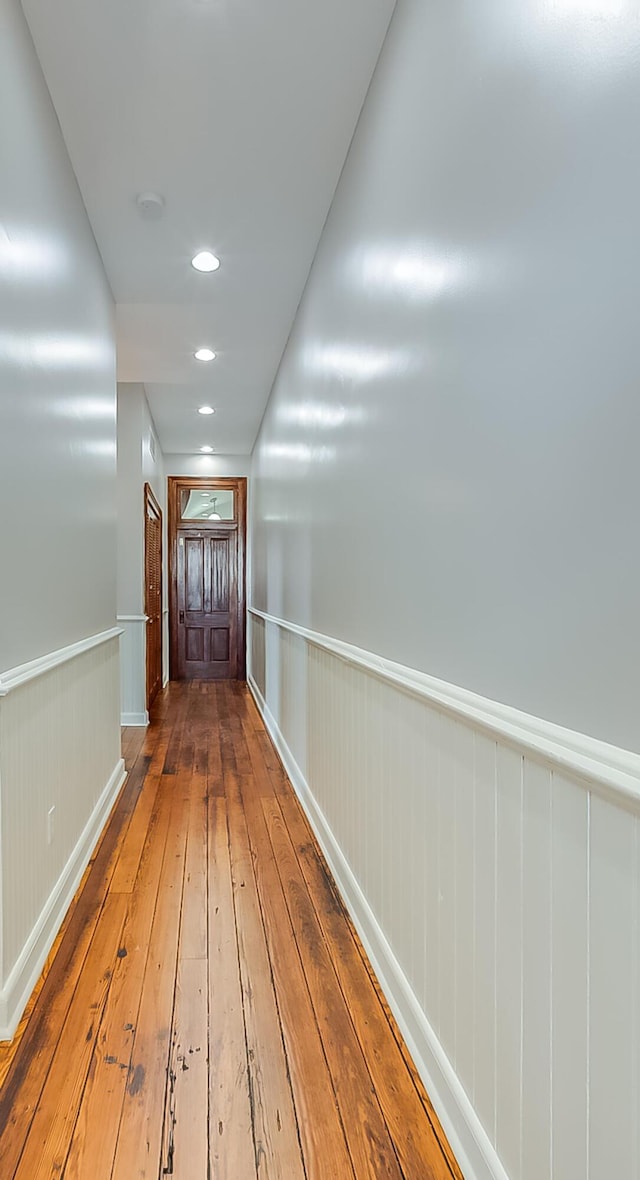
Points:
(22, 674)
(609, 769)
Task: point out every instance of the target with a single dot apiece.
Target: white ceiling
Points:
(239, 113)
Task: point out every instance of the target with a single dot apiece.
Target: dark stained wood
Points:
(209, 1011)
(206, 586)
(153, 592)
(207, 603)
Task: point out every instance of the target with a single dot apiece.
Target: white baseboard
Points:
(24, 976)
(473, 1150)
(134, 718)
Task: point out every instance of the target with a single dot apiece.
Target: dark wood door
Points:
(207, 605)
(207, 531)
(153, 592)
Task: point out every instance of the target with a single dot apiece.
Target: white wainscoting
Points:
(133, 670)
(491, 863)
(59, 748)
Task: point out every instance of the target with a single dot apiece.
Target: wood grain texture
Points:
(209, 1010)
(52, 1126)
(231, 1137)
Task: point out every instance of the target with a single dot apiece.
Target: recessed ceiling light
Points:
(206, 410)
(207, 450)
(205, 261)
(205, 354)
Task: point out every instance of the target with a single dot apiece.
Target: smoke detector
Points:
(150, 205)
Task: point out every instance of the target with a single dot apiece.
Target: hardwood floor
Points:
(209, 1011)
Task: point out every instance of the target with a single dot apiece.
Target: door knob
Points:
(182, 616)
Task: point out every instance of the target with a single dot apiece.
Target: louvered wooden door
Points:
(153, 592)
(207, 604)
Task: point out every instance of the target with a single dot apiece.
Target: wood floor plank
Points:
(96, 1133)
(132, 742)
(193, 929)
(370, 1144)
(140, 1137)
(263, 761)
(231, 1134)
(129, 860)
(419, 1147)
(187, 1136)
(324, 1146)
(47, 1143)
(28, 1071)
(277, 1145)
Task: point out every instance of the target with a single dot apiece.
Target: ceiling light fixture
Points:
(205, 354)
(215, 515)
(205, 261)
(151, 205)
(206, 410)
(207, 450)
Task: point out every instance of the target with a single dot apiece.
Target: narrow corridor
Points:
(209, 1011)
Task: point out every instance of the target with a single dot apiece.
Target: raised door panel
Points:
(220, 573)
(219, 640)
(194, 550)
(194, 643)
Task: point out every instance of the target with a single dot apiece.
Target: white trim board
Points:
(27, 970)
(614, 773)
(16, 677)
(471, 1146)
(132, 618)
(134, 719)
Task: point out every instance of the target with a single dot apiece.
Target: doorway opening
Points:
(207, 558)
(153, 592)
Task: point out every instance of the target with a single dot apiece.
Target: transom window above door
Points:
(210, 504)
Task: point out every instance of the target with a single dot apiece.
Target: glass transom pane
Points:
(212, 504)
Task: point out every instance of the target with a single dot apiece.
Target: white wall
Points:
(447, 479)
(223, 466)
(140, 461)
(57, 379)
(447, 472)
(60, 764)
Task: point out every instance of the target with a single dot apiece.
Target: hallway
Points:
(209, 1011)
